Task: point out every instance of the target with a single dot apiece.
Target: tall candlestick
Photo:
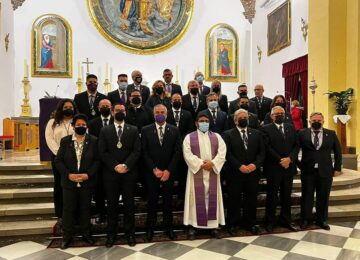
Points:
(111, 75)
(82, 73)
(107, 71)
(79, 71)
(26, 69)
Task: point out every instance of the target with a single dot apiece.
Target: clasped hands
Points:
(247, 168)
(162, 175)
(207, 165)
(78, 177)
(285, 162)
(121, 168)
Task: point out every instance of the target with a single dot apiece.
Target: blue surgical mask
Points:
(122, 85)
(200, 78)
(204, 127)
(213, 104)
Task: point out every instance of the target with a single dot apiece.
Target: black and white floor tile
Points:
(341, 242)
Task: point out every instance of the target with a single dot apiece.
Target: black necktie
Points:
(244, 137)
(161, 135)
(91, 101)
(316, 139)
(123, 98)
(177, 118)
(105, 121)
(259, 102)
(119, 132)
(195, 103)
(214, 115)
(282, 131)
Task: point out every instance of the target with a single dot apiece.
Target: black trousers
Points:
(124, 185)
(153, 188)
(242, 193)
(310, 183)
(99, 194)
(58, 191)
(276, 181)
(76, 201)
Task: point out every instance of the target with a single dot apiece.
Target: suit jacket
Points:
(253, 121)
(145, 92)
(175, 88)
(234, 105)
(186, 122)
(187, 104)
(278, 147)
(310, 155)
(155, 100)
(165, 156)
(82, 103)
(264, 108)
(111, 156)
(139, 117)
(223, 103)
(96, 124)
(204, 90)
(237, 155)
(114, 97)
(66, 161)
(288, 119)
(221, 121)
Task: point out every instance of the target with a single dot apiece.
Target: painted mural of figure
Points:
(46, 53)
(224, 60)
(165, 9)
(128, 14)
(146, 8)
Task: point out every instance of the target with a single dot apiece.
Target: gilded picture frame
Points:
(141, 26)
(279, 28)
(221, 57)
(51, 47)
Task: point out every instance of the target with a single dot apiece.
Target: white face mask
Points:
(122, 85)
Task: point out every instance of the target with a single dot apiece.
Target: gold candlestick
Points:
(107, 86)
(177, 74)
(79, 85)
(25, 107)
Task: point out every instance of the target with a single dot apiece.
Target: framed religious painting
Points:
(279, 28)
(221, 57)
(51, 48)
(141, 26)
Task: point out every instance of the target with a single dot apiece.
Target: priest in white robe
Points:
(204, 153)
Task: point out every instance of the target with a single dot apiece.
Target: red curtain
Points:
(292, 72)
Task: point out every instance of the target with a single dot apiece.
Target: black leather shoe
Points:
(232, 230)
(65, 244)
(149, 235)
(304, 225)
(131, 240)
(255, 230)
(88, 239)
(171, 234)
(110, 241)
(323, 225)
(269, 228)
(291, 227)
(191, 234)
(215, 233)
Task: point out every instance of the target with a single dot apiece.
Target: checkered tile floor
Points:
(341, 242)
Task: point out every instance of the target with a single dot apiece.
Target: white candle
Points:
(177, 73)
(82, 73)
(26, 69)
(107, 71)
(111, 75)
(79, 72)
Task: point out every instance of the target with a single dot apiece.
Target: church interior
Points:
(304, 50)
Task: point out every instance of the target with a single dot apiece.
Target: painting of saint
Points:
(46, 53)
(224, 60)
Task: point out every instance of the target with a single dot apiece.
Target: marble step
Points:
(26, 179)
(16, 166)
(26, 209)
(26, 193)
(22, 228)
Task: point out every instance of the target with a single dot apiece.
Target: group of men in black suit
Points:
(253, 149)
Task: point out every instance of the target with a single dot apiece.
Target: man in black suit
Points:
(137, 79)
(317, 169)
(245, 155)
(121, 94)
(94, 129)
(136, 113)
(203, 90)
(235, 104)
(87, 102)
(262, 103)
(279, 167)
(218, 118)
(120, 148)
(171, 88)
(193, 101)
(253, 119)
(161, 147)
(223, 101)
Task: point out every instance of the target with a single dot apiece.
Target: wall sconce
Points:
(313, 86)
(304, 28)
(259, 53)
(7, 41)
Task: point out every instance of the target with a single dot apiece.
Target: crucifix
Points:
(87, 62)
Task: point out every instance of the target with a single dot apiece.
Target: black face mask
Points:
(279, 119)
(194, 91)
(244, 106)
(138, 80)
(316, 125)
(120, 116)
(243, 94)
(136, 101)
(216, 89)
(80, 130)
(68, 112)
(176, 104)
(280, 105)
(159, 91)
(105, 111)
(243, 123)
(92, 87)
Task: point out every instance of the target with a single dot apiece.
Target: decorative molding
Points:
(17, 3)
(249, 7)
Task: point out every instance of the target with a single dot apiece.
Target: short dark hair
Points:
(246, 97)
(242, 85)
(91, 76)
(135, 90)
(122, 75)
(167, 70)
(79, 117)
(117, 104)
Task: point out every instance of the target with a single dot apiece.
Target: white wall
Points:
(188, 53)
(269, 71)
(6, 62)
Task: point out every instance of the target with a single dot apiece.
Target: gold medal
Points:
(119, 145)
(93, 112)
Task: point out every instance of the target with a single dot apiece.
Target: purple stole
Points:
(201, 216)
